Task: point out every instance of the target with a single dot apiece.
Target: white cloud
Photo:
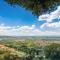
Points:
(50, 27)
(54, 26)
(16, 30)
(49, 17)
(43, 17)
(45, 33)
(36, 31)
(26, 30)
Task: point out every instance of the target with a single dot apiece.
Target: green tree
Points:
(52, 51)
(36, 58)
(37, 7)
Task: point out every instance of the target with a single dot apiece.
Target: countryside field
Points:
(28, 49)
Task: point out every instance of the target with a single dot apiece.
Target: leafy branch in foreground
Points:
(37, 7)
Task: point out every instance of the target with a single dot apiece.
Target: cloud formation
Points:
(16, 30)
(50, 17)
(47, 28)
(50, 27)
(55, 26)
(26, 30)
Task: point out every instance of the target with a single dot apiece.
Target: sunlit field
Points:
(29, 49)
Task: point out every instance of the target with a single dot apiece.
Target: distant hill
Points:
(31, 37)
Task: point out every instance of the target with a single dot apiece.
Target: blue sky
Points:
(15, 15)
(21, 22)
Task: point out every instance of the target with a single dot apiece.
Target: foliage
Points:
(28, 50)
(37, 7)
(35, 59)
(52, 51)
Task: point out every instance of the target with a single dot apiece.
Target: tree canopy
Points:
(52, 51)
(37, 7)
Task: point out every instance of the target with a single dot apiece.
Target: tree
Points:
(52, 51)
(37, 7)
(36, 58)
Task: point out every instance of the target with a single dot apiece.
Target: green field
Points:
(29, 49)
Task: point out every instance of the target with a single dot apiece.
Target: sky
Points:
(17, 21)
